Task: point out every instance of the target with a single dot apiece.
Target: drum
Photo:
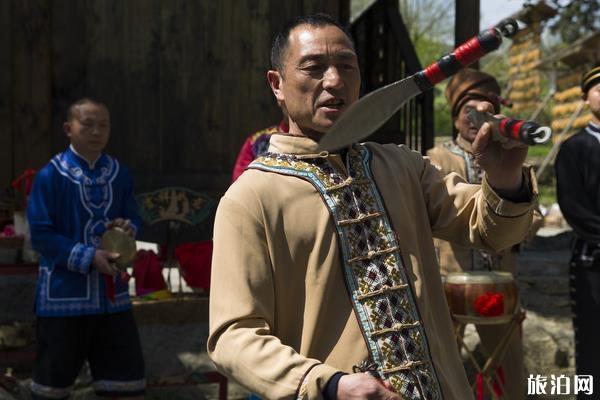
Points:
(481, 297)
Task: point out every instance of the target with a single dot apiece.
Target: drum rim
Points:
(460, 278)
(481, 320)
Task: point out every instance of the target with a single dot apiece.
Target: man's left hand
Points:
(502, 162)
(124, 224)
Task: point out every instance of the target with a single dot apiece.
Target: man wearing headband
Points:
(470, 88)
(578, 190)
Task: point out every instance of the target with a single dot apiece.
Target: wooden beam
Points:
(466, 23)
(6, 134)
(69, 63)
(31, 94)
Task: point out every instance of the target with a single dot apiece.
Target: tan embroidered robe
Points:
(281, 321)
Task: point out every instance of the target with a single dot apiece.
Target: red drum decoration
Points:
(481, 297)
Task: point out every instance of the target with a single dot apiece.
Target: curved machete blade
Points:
(367, 114)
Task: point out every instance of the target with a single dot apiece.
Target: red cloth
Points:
(194, 261)
(110, 284)
(247, 153)
(497, 388)
(490, 304)
(244, 158)
(147, 271)
(27, 178)
(109, 281)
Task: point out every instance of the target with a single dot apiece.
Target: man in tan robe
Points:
(472, 88)
(298, 231)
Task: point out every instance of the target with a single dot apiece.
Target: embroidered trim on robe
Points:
(375, 275)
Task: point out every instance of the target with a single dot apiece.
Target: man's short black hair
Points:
(281, 41)
(84, 100)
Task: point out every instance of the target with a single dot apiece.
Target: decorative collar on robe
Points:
(464, 144)
(299, 145)
(304, 147)
(593, 130)
(81, 160)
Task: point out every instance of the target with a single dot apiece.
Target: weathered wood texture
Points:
(6, 137)
(386, 55)
(466, 23)
(25, 112)
(185, 80)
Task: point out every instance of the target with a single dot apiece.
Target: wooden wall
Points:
(184, 80)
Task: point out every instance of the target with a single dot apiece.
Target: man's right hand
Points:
(104, 262)
(364, 386)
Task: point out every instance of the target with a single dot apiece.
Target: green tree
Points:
(576, 19)
(430, 24)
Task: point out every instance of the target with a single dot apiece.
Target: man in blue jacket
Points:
(82, 305)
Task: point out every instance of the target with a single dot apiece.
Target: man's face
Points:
(465, 128)
(593, 101)
(320, 78)
(89, 129)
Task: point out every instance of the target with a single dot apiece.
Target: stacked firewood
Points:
(566, 102)
(524, 77)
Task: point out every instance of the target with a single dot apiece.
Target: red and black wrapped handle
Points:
(466, 54)
(527, 132)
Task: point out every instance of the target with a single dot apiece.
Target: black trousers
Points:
(110, 343)
(585, 306)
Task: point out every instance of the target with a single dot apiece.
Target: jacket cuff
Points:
(330, 391)
(314, 381)
(507, 208)
(135, 229)
(80, 258)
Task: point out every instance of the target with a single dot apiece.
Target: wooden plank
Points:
(466, 23)
(190, 87)
(262, 109)
(123, 70)
(69, 63)
(31, 83)
(6, 136)
(338, 9)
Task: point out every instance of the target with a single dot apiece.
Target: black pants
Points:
(109, 342)
(585, 305)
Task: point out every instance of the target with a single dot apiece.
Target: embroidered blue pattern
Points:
(119, 386)
(81, 258)
(50, 392)
(76, 201)
(473, 170)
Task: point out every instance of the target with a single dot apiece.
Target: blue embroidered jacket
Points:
(69, 205)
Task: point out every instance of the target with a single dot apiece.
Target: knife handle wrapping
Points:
(527, 132)
(464, 55)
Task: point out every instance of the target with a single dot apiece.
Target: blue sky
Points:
(492, 11)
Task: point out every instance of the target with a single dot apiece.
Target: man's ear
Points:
(274, 78)
(67, 128)
(455, 122)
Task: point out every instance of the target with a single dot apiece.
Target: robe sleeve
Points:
(242, 342)
(475, 215)
(42, 209)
